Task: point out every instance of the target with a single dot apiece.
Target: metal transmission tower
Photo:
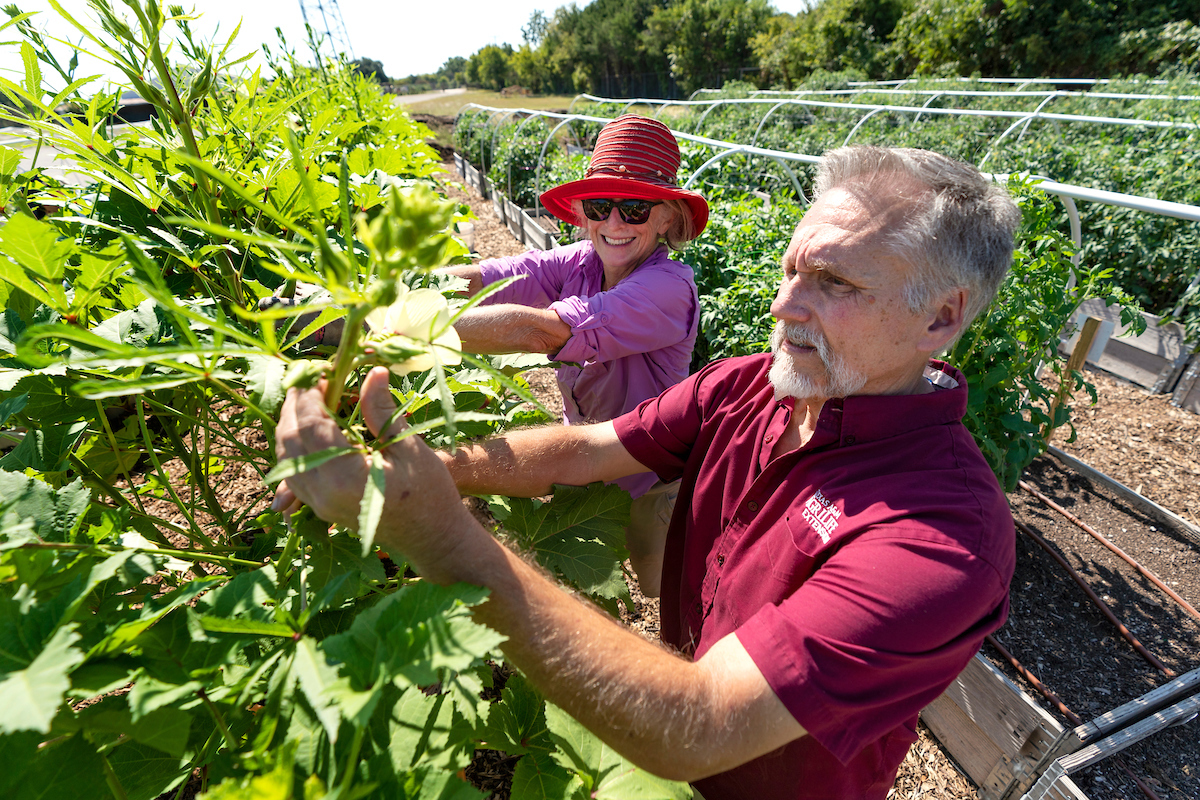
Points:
(325, 19)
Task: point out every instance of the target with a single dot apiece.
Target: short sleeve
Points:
(875, 635)
(661, 431)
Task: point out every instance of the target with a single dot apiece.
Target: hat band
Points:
(622, 171)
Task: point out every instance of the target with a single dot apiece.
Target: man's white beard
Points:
(839, 379)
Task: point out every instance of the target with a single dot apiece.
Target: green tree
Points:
(707, 41)
(493, 69)
(371, 68)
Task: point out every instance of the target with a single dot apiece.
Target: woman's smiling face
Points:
(623, 247)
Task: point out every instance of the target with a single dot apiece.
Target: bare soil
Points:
(1143, 442)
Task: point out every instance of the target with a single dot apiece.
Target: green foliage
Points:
(518, 157)
(736, 263)
(152, 624)
(703, 38)
(1014, 342)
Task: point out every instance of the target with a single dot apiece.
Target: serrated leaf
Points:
(32, 696)
(578, 535)
(264, 381)
(517, 724)
(414, 633)
(56, 514)
(605, 773)
(37, 248)
(33, 72)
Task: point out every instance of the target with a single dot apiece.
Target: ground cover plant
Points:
(156, 637)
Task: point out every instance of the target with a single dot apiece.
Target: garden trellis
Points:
(1068, 192)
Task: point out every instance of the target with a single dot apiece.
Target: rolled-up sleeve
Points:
(539, 276)
(650, 310)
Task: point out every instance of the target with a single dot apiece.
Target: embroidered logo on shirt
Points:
(822, 514)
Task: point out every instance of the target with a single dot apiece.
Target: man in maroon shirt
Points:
(839, 549)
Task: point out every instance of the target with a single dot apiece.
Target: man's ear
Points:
(946, 322)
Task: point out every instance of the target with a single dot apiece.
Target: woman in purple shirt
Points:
(614, 310)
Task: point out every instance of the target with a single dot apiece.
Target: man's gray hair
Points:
(959, 233)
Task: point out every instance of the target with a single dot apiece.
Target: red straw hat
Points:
(635, 157)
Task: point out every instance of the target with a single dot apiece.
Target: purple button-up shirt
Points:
(627, 344)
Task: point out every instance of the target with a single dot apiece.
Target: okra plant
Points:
(157, 631)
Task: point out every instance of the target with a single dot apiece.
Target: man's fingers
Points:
(379, 407)
(285, 500)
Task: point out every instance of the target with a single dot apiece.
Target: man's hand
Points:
(421, 501)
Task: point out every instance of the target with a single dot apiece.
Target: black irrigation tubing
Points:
(1096, 601)
(1071, 716)
(1145, 573)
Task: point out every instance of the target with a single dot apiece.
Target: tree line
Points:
(669, 48)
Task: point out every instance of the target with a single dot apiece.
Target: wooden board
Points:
(1153, 359)
(1187, 391)
(1165, 516)
(989, 726)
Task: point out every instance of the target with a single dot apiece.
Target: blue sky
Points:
(410, 36)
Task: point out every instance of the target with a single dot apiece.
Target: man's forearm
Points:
(679, 719)
(527, 463)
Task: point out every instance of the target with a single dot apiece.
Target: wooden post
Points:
(1074, 362)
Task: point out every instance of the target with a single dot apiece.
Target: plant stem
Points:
(343, 361)
(217, 718)
(351, 761)
(114, 784)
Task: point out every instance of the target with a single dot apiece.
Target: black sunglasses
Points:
(634, 212)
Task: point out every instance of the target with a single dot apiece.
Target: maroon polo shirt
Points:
(860, 571)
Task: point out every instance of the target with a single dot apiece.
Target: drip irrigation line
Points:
(1145, 573)
(1071, 716)
(1100, 604)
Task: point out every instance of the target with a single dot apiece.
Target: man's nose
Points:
(791, 302)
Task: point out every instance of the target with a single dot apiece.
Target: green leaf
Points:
(579, 535)
(56, 514)
(264, 382)
(294, 466)
(371, 508)
(67, 769)
(315, 677)
(605, 774)
(517, 724)
(538, 775)
(165, 729)
(146, 772)
(246, 626)
(32, 696)
(414, 633)
(45, 449)
(33, 73)
(37, 248)
(149, 695)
